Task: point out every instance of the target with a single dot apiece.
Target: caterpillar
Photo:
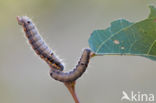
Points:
(76, 72)
(41, 48)
(37, 43)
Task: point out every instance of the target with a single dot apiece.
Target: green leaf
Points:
(127, 38)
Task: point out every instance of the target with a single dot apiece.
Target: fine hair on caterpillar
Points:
(42, 49)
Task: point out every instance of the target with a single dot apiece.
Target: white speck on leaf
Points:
(122, 47)
(116, 42)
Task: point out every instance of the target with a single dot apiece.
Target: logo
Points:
(137, 97)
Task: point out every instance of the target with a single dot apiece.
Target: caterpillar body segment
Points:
(38, 44)
(76, 72)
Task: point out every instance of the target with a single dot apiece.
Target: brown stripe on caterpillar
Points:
(75, 73)
(37, 43)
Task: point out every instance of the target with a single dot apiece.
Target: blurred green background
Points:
(66, 26)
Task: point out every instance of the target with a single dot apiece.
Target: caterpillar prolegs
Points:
(41, 48)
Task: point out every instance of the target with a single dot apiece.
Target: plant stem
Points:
(71, 88)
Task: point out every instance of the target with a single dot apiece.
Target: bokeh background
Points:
(66, 26)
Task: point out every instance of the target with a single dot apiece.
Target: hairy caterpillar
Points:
(37, 43)
(41, 48)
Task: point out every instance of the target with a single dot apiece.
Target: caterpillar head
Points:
(24, 20)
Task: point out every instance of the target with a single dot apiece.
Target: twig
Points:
(71, 88)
